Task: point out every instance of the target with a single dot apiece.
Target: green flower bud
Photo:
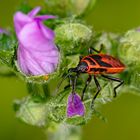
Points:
(73, 37)
(31, 111)
(135, 81)
(130, 48)
(65, 8)
(110, 42)
(73, 40)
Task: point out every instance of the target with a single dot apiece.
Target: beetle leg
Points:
(73, 81)
(98, 90)
(114, 79)
(91, 50)
(87, 83)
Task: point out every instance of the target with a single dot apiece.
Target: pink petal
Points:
(45, 17)
(28, 64)
(20, 20)
(47, 63)
(21, 59)
(52, 59)
(51, 53)
(33, 67)
(32, 37)
(34, 12)
(48, 33)
(49, 67)
(43, 57)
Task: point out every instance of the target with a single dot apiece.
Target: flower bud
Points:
(37, 54)
(130, 48)
(65, 8)
(31, 111)
(129, 52)
(73, 39)
(73, 36)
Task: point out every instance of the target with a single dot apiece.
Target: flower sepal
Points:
(37, 79)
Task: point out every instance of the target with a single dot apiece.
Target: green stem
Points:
(38, 89)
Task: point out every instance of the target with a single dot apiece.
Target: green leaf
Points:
(8, 45)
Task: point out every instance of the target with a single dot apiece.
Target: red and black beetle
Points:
(95, 64)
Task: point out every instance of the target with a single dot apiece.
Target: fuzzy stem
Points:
(37, 89)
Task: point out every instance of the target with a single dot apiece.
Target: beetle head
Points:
(82, 67)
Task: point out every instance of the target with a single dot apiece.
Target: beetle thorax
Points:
(82, 67)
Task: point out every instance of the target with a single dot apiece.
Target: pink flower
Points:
(37, 53)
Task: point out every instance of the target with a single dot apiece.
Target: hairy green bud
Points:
(65, 8)
(129, 50)
(73, 36)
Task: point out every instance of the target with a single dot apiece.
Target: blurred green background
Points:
(123, 114)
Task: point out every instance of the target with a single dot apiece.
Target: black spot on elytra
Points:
(83, 64)
(98, 69)
(90, 61)
(98, 58)
(104, 64)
